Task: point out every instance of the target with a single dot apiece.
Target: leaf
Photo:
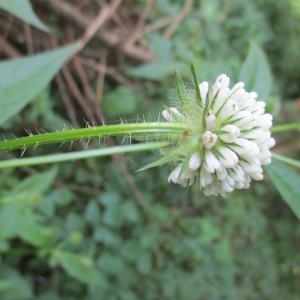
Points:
(180, 88)
(286, 182)
(111, 264)
(107, 236)
(144, 263)
(79, 267)
(130, 212)
(162, 48)
(13, 285)
(120, 101)
(48, 295)
(32, 232)
(38, 183)
(17, 216)
(24, 78)
(256, 72)
(92, 213)
(196, 87)
(11, 210)
(163, 159)
(22, 9)
(155, 70)
(112, 216)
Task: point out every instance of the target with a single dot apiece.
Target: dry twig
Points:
(179, 18)
(108, 37)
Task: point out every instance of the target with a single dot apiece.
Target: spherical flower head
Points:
(227, 139)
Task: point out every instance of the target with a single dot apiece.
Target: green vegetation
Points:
(96, 228)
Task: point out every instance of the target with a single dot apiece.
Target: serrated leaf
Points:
(22, 9)
(287, 182)
(256, 72)
(79, 267)
(24, 78)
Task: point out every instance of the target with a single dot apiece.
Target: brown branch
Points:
(102, 68)
(158, 24)
(73, 88)
(106, 12)
(8, 49)
(137, 33)
(28, 38)
(109, 38)
(179, 18)
(206, 30)
(89, 93)
(101, 79)
(67, 101)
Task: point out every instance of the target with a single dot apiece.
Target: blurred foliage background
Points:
(96, 229)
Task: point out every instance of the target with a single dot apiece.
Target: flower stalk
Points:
(154, 131)
(62, 157)
(216, 136)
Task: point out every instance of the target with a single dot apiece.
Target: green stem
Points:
(285, 127)
(55, 158)
(89, 133)
(287, 160)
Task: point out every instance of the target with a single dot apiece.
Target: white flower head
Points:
(228, 137)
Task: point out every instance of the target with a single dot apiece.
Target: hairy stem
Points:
(90, 133)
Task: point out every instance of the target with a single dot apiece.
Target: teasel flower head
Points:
(227, 138)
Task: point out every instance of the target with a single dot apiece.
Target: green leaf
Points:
(24, 78)
(256, 72)
(113, 216)
(31, 231)
(130, 212)
(155, 70)
(286, 182)
(162, 49)
(107, 236)
(22, 9)
(181, 91)
(196, 86)
(92, 213)
(111, 264)
(79, 267)
(163, 159)
(121, 101)
(13, 285)
(144, 263)
(48, 295)
(38, 183)
(12, 208)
